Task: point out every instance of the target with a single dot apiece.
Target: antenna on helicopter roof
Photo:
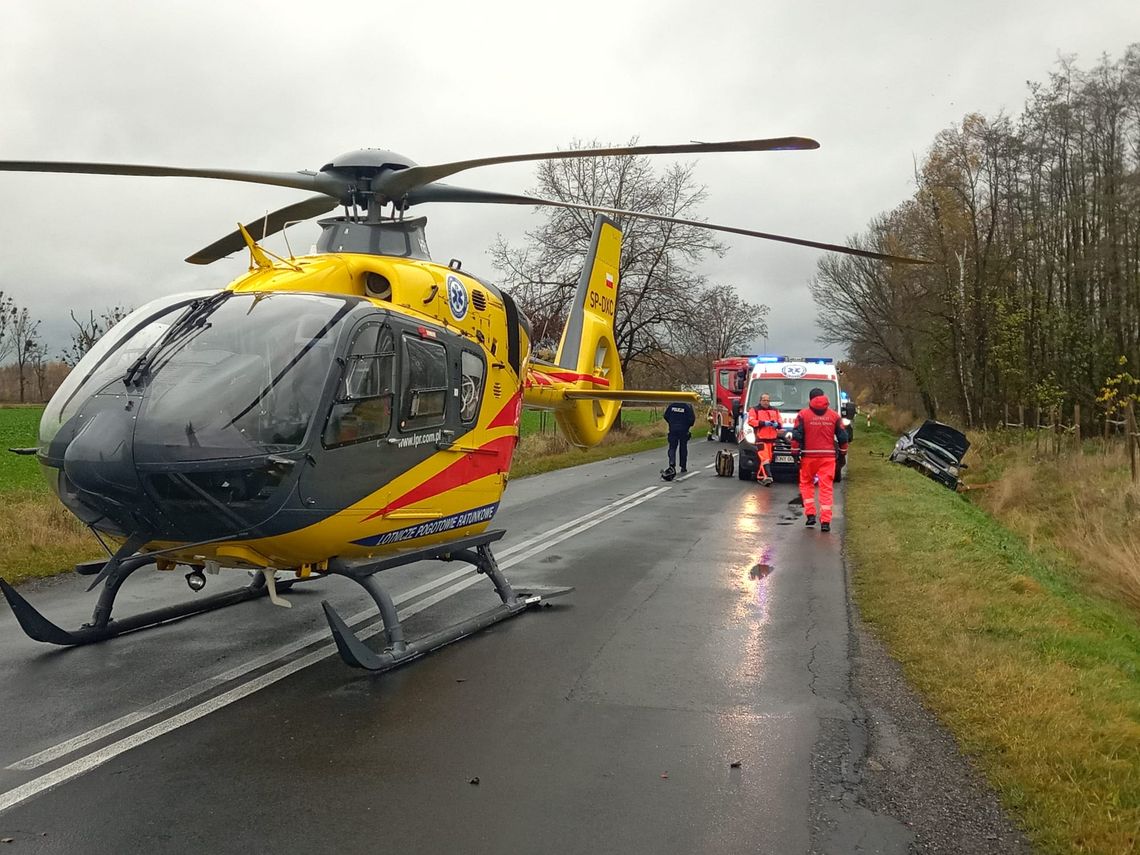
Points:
(285, 234)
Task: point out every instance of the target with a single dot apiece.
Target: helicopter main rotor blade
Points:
(393, 185)
(445, 193)
(314, 206)
(298, 180)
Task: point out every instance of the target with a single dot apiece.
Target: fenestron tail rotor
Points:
(372, 178)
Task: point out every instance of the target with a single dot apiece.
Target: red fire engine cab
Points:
(730, 375)
(787, 381)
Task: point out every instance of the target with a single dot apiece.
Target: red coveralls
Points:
(765, 436)
(817, 431)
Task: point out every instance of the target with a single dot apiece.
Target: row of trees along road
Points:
(671, 323)
(1033, 224)
(28, 372)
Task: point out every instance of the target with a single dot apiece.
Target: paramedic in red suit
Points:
(766, 422)
(817, 432)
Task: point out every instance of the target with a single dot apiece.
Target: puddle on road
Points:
(759, 571)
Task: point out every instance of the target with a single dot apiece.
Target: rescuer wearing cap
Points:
(818, 431)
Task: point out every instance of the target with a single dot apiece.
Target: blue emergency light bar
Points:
(767, 358)
(770, 358)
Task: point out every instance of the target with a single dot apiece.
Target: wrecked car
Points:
(934, 449)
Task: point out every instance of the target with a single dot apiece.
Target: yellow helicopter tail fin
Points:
(584, 385)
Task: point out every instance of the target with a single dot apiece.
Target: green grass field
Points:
(534, 421)
(1037, 679)
(19, 428)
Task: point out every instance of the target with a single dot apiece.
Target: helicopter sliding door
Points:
(393, 445)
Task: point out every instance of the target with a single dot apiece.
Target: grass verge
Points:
(38, 537)
(1038, 680)
(1083, 506)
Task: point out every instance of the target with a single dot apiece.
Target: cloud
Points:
(289, 85)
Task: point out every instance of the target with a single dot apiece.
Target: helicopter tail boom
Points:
(587, 358)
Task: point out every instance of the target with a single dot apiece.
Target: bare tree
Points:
(38, 362)
(656, 270)
(8, 314)
(25, 343)
(87, 332)
(720, 322)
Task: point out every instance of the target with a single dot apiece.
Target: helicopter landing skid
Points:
(102, 626)
(475, 550)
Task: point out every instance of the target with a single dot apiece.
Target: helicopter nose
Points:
(98, 459)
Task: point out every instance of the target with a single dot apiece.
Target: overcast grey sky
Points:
(288, 85)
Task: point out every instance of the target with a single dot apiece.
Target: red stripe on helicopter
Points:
(509, 415)
(494, 456)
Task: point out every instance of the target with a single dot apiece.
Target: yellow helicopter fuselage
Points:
(340, 405)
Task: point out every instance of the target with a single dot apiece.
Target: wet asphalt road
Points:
(682, 699)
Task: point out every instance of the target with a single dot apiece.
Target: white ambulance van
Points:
(787, 381)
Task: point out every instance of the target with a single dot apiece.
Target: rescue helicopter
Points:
(337, 413)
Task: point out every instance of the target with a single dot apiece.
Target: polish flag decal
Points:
(609, 280)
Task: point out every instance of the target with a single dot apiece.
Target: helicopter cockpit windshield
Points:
(221, 376)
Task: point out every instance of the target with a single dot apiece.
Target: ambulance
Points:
(787, 381)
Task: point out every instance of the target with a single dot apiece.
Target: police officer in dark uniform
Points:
(681, 419)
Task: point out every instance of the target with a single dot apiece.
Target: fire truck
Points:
(730, 375)
(787, 380)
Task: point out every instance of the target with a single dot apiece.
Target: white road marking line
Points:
(97, 758)
(541, 537)
(546, 544)
(189, 693)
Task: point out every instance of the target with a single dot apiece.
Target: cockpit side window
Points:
(425, 384)
(363, 407)
(470, 386)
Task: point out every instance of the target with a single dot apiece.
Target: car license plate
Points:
(785, 458)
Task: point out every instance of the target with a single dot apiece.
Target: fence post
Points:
(1021, 416)
(1077, 427)
(1133, 440)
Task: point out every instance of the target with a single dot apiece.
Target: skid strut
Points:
(475, 550)
(102, 627)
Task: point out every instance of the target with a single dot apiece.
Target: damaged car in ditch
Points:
(934, 449)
